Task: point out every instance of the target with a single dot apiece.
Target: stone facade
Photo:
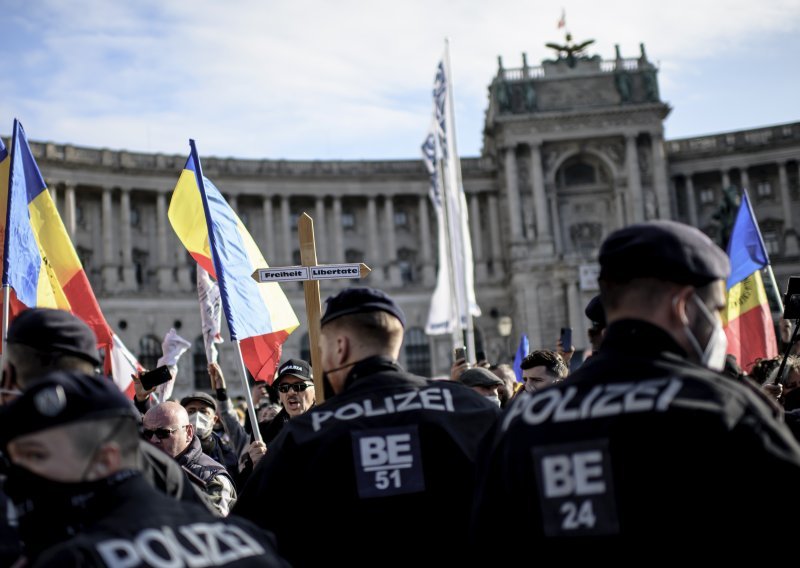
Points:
(572, 150)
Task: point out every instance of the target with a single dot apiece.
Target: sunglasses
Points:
(296, 387)
(161, 433)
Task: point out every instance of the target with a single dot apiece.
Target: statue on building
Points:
(725, 215)
(622, 80)
(650, 84)
(502, 95)
(571, 52)
(529, 93)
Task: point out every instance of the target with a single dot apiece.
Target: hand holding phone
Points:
(566, 338)
(157, 376)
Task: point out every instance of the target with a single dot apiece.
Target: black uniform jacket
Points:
(639, 447)
(132, 524)
(381, 474)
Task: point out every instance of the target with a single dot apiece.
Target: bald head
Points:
(168, 417)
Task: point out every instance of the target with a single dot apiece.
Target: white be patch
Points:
(576, 491)
(388, 461)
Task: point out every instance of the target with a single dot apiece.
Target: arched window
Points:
(418, 352)
(149, 351)
(200, 364)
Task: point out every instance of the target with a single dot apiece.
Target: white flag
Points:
(210, 313)
(454, 297)
(172, 348)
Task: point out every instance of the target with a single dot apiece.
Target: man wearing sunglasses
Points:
(295, 386)
(167, 427)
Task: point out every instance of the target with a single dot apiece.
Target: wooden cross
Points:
(311, 273)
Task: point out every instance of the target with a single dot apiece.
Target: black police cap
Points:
(63, 397)
(479, 377)
(595, 312)
(50, 330)
(666, 250)
(358, 301)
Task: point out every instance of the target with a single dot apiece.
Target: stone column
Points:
(479, 260)
(636, 202)
(337, 253)
(496, 238)
(512, 194)
(69, 211)
(691, 199)
(619, 206)
(320, 233)
(286, 232)
(166, 282)
(791, 247)
(575, 316)
(426, 238)
(269, 232)
(110, 266)
(128, 269)
(539, 198)
(552, 201)
(660, 184)
(391, 245)
(726, 179)
(53, 192)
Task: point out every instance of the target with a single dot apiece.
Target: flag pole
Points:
(248, 395)
(6, 300)
(456, 165)
(777, 290)
(458, 337)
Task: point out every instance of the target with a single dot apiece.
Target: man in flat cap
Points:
(389, 454)
(202, 410)
(73, 441)
(645, 444)
(483, 382)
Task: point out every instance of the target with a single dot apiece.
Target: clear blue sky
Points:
(351, 79)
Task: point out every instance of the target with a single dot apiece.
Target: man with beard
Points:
(646, 446)
(72, 441)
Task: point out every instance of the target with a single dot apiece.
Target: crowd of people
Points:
(656, 438)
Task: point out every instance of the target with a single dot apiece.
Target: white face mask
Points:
(492, 398)
(202, 424)
(713, 356)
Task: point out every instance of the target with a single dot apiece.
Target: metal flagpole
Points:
(456, 165)
(6, 300)
(248, 395)
(777, 290)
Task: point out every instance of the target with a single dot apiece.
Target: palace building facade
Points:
(573, 149)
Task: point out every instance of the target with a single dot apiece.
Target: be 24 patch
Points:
(388, 461)
(576, 490)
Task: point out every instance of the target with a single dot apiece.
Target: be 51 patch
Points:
(388, 461)
(576, 490)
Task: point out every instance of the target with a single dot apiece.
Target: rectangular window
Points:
(706, 196)
(772, 242)
(764, 189)
(400, 219)
(348, 220)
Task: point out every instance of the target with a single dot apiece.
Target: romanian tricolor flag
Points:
(39, 262)
(259, 316)
(747, 319)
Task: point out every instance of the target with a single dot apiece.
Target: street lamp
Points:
(504, 325)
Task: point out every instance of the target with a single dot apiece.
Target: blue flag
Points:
(522, 352)
(746, 248)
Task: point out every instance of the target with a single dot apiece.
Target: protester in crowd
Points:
(646, 445)
(295, 386)
(73, 443)
(202, 410)
(542, 368)
(509, 387)
(483, 382)
(388, 449)
(167, 427)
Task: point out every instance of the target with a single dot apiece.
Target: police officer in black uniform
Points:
(72, 441)
(381, 473)
(645, 452)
